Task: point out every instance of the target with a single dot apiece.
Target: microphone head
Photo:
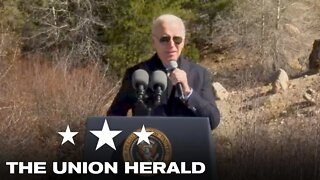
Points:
(140, 77)
(158, 78)
(172, 65)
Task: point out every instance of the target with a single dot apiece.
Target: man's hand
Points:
(180, 76)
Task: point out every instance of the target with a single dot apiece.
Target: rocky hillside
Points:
(269, 135)
(259, 38)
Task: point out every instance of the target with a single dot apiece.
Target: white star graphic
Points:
(105, 136)
(143, 135)
(67, 135)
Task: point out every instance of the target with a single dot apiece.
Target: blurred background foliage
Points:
(115, 34)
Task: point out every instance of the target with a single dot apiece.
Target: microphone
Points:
(158, 84)
(172, 66)
(140, 80)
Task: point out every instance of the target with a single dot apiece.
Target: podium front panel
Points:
(190, 138)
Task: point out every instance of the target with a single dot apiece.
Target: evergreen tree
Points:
(129, 34)
(117, 32)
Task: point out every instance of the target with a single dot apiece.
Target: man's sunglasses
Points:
(166, 39)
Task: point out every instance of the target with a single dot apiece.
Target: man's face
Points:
(168, 41)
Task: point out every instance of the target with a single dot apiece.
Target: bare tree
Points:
(262, 26)
(280, 32)
(65, 29)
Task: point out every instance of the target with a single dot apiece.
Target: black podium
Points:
(190, 140)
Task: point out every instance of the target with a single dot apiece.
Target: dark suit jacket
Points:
(200, 103)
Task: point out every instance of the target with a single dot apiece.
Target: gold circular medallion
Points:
(159, 149)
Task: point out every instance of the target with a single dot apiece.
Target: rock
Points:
(314, 57)
(308, 97)
(311, 91)
(219, 91)
(295, 64)
(291, 29)
(281, 82)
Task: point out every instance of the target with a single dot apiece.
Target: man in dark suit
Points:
(168, 38)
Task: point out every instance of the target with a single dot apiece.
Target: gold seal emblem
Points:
(159, 149)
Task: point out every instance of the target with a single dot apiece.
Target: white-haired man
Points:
(168, 39)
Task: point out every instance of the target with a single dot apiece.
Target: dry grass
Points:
(261, 136)
(255, 140)
(38, 99)
(269, 136)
